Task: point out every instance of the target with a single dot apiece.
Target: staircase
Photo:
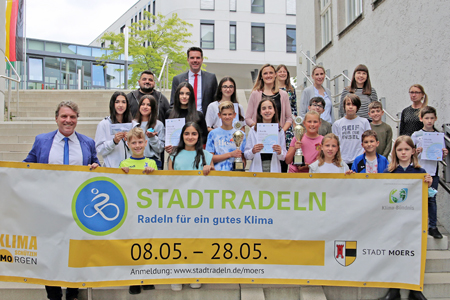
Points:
(37, 115)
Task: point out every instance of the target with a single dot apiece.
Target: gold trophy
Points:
(238, 138)
(299, 131)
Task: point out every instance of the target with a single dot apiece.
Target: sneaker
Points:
(176, 287)
(195, 285)
(434, 232)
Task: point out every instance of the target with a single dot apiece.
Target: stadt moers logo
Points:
(345, 252)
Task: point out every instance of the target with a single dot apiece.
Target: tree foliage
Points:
(161, 36)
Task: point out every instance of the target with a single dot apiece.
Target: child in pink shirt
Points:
(310, 144)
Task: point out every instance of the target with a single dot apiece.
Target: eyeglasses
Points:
(224, 87)
(317, 105)
(415, 93)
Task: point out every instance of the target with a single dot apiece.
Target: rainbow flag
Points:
(14, 29)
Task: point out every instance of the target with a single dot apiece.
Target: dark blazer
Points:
(43, 143)
(209, 88)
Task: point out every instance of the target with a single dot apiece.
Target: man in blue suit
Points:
(64, 146)
(206, 82)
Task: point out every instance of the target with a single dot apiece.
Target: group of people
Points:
(357, 142)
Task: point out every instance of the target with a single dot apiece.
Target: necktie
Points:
(66, 150)
(195, 88)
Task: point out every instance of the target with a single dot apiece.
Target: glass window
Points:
(69, 49)
(257, 38)
(353, 10)
(98, 75)
(232, 5)
(290, 40)
(207, 36)
(325, 21)
(97, 52)
(36, 45)
(114, 76)
(207, 4)
(87, 72)
(52, 69)
(258, 6)
(84, 51)
(290, 7)
(53, 47)
(232, 37)
(154, 10)
(68, 73)
(35, 69)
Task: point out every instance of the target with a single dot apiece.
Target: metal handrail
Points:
(162, 68)
(18, 80)
(306, 76)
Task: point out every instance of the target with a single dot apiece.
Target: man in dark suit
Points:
(64, 146)
(147, 87)
(206, 82)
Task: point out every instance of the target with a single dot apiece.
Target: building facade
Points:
(55, 65)
(237, 36)
(401, 42)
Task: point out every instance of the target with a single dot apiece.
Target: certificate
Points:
(173, 131)
(432, 144)
(120, 127)
(267, 134)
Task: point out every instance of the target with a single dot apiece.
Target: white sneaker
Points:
(195, 285)
(176, 287)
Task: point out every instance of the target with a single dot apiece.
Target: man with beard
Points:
(146, 87)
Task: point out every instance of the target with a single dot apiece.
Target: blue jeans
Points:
(432, 207)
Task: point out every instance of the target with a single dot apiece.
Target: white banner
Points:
(66, 225)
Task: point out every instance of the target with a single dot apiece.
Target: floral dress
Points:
(293, 102)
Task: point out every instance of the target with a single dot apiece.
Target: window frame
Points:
(208, 1)
(294, 46)
(353, 9)
(233, 25)
(258, 25)
(257, 12)
(325, 22)
(207, 23)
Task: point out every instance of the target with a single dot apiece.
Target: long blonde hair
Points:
(259, 83)
(395, 163)
(337, 160)
(425, 96)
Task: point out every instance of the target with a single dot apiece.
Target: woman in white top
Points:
(317, 90)
(112, 147)
(226, 91)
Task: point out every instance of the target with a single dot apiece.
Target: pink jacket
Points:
(255, 98)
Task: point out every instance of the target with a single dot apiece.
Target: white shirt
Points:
(199, 87)
(56, 155)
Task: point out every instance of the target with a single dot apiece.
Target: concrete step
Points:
(437, 261)
(51, 114)
(42, 108)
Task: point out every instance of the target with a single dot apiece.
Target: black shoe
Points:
(434, 232)
(134, 289)
(148, 287)
(392, 294)
(416, 295)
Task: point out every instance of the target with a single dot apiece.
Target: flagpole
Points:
(2, 58)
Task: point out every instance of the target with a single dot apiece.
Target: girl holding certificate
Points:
(111, 146)
(184, 107)
(265, 162)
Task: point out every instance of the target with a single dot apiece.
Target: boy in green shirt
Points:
(137, 143)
